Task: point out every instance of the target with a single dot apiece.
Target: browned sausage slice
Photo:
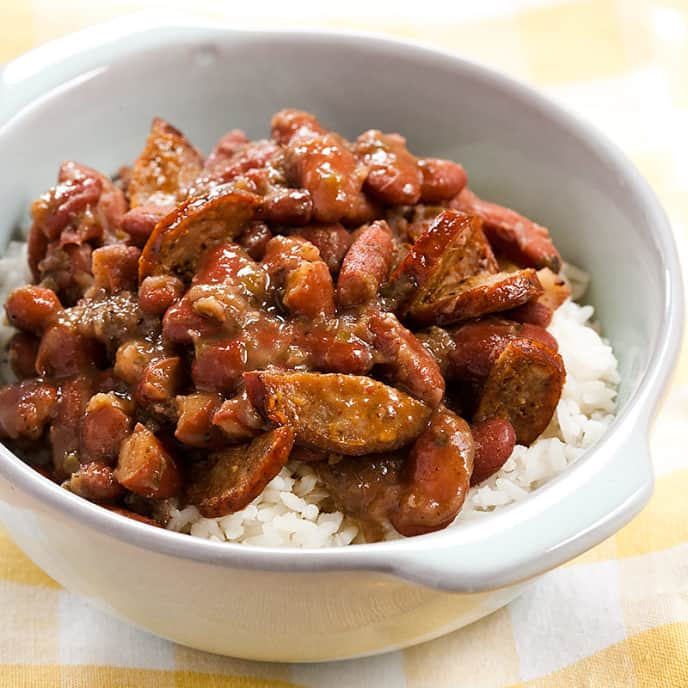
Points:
(436, 476)
(146, 468)
(474, 296)
(524, 387)
(512, 235)
(366, 265)
(347, 414)
(494, 440)
(179, 240)
(165, 169)
(238, 475)
(451, 249)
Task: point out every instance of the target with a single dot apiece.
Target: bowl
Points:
(91, 96)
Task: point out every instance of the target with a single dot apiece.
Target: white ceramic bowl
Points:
(91, 97)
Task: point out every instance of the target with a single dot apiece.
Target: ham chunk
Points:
(237, 475)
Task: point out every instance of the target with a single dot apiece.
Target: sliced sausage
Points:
(393, 174)
(366, 265)
(238, 475)
(146, 468)
(523, 387)
(494, 440)
(166, 168)
(451, 249)
(511, 235)
(475, 296)
(178, 242)
(436, 476)
(347, 414)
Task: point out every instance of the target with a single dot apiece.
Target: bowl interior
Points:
(516, 148)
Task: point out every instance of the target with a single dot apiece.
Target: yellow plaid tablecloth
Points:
(615, 617)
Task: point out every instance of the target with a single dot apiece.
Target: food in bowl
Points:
(296, 341)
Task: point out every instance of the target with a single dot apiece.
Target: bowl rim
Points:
(454, 559)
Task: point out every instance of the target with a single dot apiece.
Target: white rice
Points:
(288, 512)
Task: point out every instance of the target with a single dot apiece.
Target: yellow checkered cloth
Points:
(618, 615)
